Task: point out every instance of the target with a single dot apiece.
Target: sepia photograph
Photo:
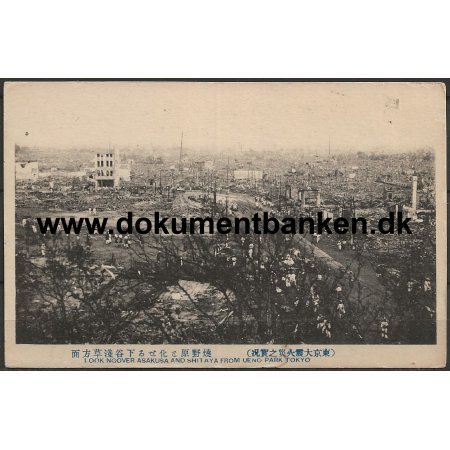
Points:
(225, 224)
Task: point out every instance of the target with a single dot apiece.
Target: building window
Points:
(111, 164)
(111, 173)
(101, 164)
(98, 155)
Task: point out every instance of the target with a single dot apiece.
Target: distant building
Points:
(199, 165)
(64, 173)
(27, 170)
(106, 173)
(109, 171)
(124, 171)
(243, 174)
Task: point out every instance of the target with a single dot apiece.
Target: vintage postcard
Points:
(225, 224)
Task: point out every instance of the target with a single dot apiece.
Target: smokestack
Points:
(414, 194)
(318, 199)
(303, 199)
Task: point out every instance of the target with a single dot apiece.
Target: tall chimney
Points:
(318, 199)
(414, 194)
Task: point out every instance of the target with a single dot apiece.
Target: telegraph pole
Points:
(181, 151)
(352, 238)
(214, 198)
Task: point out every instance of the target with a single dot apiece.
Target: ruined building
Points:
(109, 171)
(27, 170)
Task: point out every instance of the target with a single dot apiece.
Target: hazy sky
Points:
(397, 116)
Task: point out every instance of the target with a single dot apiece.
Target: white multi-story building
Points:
(106, 169)
(109, 171)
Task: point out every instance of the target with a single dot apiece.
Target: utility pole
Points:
(214, 197)
(279, 194)
(181, 152)
(352, 238)
(226, 204)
